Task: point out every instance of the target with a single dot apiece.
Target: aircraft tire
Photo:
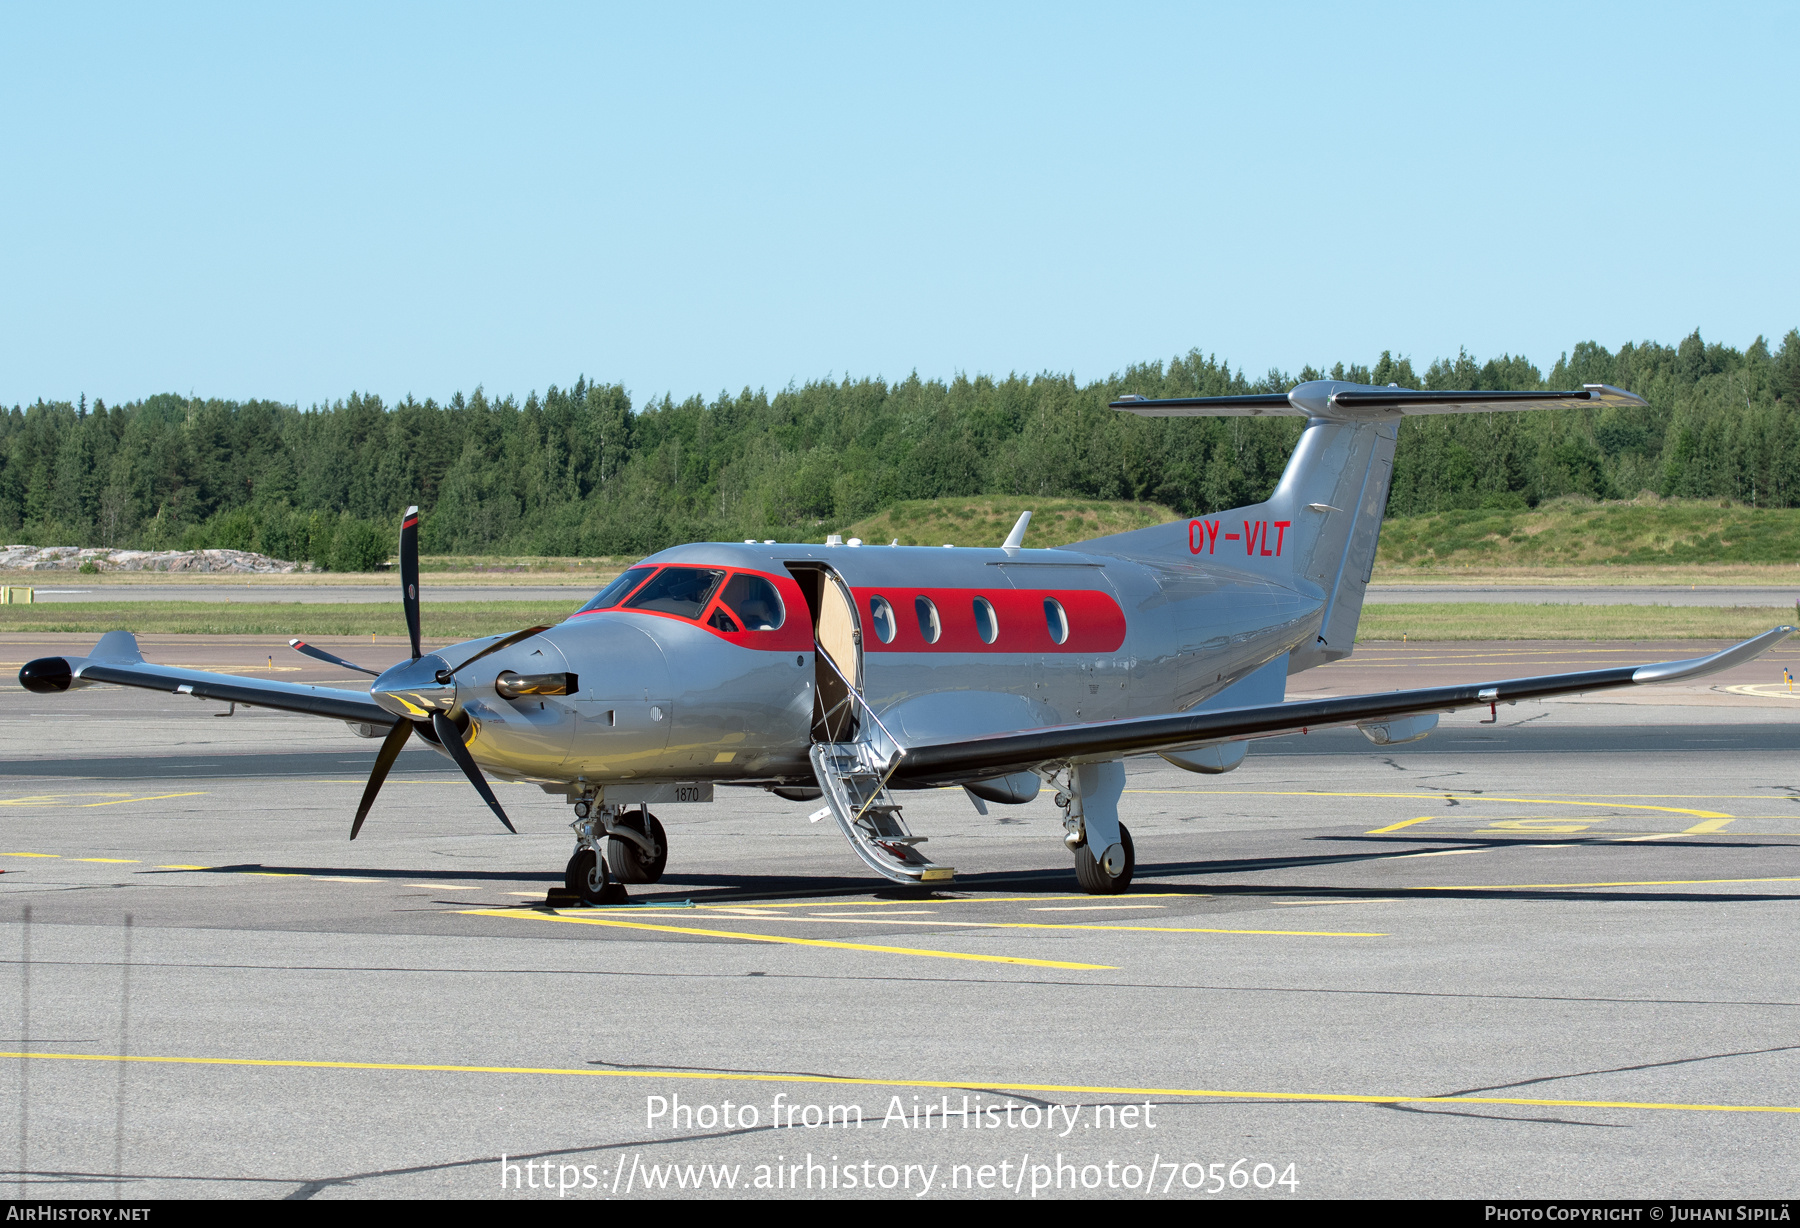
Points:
(628, 861)
(1092, 876)
(586, 875)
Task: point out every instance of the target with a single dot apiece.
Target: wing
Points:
(945, 763)
(116, 659)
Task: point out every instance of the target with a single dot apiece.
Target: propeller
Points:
(319, 654)
(421, 687)
(409, 575)
(445, 675)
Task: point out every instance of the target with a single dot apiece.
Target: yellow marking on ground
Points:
(1457, 797)
(154, 797)
(117, 861)
(1711, 825)
(711, 1076)
(30, 855)
(725, 756)
(782, 938)
(1763, 690)
(529, 895)
(905, 912)
(1653, 882)
(985, 899)
(1026, 925)
(1382, 831)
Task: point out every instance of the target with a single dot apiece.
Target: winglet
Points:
(1699, 667)
(1016, 538)
(117, 648)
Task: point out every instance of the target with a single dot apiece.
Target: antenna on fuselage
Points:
(1016, 538)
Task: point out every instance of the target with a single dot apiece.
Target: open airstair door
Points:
(837, 666)
(853, 756)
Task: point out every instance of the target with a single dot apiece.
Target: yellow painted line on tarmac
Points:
(844, 919)
(985, 899)
(155, 797)
(1710, 825)
(51, 855)
(1457, 797)
(711, 1076)
(1382, 831)
(1653, 882)
(536, 915)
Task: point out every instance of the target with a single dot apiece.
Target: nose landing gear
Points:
(614, 846)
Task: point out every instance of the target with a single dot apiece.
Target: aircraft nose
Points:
(411, 689)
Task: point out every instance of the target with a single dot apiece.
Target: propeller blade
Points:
(451, 737)
(319, 654)
(384, 762)
(504, 642)
(409, 575)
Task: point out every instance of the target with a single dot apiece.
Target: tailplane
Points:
(1323, 522)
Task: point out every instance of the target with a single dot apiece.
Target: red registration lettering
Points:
(1281, 528)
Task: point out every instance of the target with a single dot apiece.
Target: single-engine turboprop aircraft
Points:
(858, 672)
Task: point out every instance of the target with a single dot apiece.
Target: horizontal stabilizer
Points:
(1337, 401)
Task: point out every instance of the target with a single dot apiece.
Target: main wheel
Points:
(586, 875)
(628, 860)
(1093, 876)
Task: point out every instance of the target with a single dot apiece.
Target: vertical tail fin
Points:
(1322, 524)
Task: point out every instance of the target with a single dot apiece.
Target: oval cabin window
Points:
(882, 615)
(1056, 619)
(985, 622)
(929, 627)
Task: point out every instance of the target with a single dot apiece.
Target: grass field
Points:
(1570, 532)
(1456, 620)
(457, 619)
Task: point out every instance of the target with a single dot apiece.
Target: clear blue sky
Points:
(250, 200)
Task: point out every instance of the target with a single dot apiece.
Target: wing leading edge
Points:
(940, 763)
(116, 659)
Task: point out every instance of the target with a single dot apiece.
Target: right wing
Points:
(958, 762)
(1342, 402)
(116, 659)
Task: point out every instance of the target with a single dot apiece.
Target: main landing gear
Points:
(1088, 796)
(614, 846)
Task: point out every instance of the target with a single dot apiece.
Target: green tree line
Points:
(581, 471)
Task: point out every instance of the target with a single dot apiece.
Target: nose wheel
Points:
(630, 861)
(586, 875)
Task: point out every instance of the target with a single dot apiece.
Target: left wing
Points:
(943, 763)
(116, 659)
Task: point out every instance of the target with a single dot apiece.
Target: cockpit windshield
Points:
(616, 592)
(682, 591)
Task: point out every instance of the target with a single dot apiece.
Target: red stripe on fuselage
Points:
(1096, 623)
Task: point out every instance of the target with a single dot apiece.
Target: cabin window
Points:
(754, 600)
(682, 591)
(617, 591)
(985, 622)
(929, 627)
(882, 615)
(1056, 619)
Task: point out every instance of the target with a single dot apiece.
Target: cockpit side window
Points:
(617, 591)
(755, 601)
(682, 591)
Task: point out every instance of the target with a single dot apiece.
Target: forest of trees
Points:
(580, 471)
